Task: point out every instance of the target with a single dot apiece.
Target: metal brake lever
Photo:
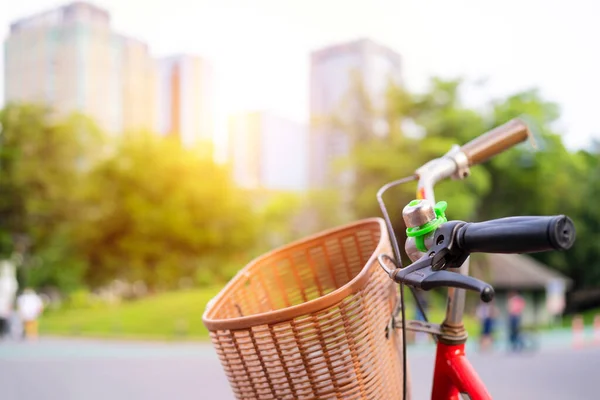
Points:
(423, 262)
(427, 278)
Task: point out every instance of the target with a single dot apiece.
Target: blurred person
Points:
(30, 306)
(516, 306)
(8, 290)
(487, 314)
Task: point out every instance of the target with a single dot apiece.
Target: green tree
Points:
(158, 212)
(582, 262)
(43, 163)
(547, 180)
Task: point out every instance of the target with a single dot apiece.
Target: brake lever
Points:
(423, 276)
(429, 271)
(452, 279)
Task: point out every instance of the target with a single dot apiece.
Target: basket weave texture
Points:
(307, 321)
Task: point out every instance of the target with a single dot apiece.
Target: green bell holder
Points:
(419, 232)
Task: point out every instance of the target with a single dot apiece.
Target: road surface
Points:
(68, 369)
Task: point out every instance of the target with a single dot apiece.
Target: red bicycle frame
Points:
(454, 375)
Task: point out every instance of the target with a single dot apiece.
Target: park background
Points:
(129, 229)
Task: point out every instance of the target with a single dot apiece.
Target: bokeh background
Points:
(149, 150)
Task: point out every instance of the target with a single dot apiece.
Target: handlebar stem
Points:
(453, 164)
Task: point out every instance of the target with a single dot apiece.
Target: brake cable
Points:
(398, 262)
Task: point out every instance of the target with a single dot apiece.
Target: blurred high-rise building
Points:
(71, 59)
(267, 151)
(331, 80)
(186, 99)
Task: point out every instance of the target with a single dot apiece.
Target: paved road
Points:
(56, 369)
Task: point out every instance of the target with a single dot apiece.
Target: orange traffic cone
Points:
(578, 326)
(597, 329)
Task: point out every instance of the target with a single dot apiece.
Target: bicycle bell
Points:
(422, 219)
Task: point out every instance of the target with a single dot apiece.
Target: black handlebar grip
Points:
(517, 235)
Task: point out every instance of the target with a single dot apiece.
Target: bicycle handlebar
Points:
(454, 241)
(517, 235)
(495, 141)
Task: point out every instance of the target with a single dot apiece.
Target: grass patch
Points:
(167, 316)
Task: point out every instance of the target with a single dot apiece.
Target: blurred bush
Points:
(82, 299)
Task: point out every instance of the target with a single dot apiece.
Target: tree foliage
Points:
(157, 211)
(43, 164)
(544, 179)
(78, 208)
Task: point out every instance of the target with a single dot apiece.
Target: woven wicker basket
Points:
(307, 321)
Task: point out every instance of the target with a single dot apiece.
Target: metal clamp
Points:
(461, 160)
(444, 332)
(421, 326)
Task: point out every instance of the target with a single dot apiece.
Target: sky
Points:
(260, 48)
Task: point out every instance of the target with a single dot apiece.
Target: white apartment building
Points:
(267, 151)
(331, 71)
(71, 59)
(185, 99)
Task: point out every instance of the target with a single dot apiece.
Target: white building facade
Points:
(331, 82)
(267, 151)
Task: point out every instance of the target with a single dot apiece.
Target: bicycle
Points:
(297, 332)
